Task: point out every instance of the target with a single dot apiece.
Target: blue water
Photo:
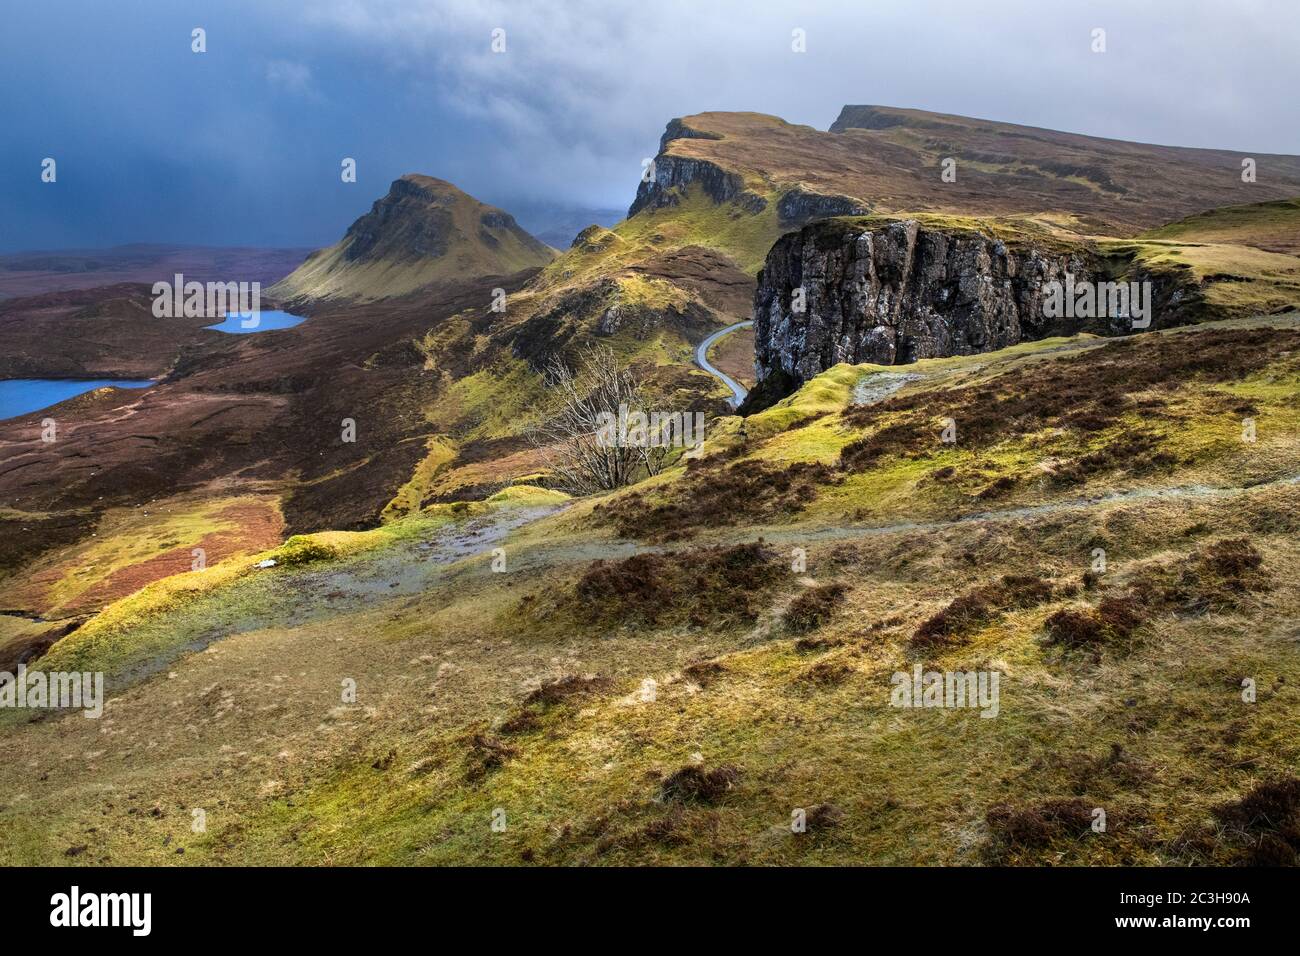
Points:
(266, 320)
(18, 396)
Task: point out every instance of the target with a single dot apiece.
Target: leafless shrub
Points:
(585, 399)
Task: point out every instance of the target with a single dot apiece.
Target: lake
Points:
(18, 396)
(267, 320)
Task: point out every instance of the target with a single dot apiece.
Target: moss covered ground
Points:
(608, 699)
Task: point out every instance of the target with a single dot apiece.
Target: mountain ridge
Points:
(460, 381)
(893, 163)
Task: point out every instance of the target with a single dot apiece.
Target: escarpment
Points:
(734, 177)
(833, 293)
(800, 205)
(668, 174)
(671, 174)
(894, 292)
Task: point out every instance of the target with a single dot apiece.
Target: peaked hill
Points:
(423, 232)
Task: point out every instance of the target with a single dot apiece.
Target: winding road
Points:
(738, 391)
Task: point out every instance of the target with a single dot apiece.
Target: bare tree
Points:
(582, 436)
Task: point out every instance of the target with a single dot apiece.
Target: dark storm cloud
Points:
(242, 144)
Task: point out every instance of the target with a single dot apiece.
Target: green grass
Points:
(440, 452)
(253, 729)
(86, 576)
(144, 625)
(1236, 280)
(696, 220)
(583, 787)
(1271, 226)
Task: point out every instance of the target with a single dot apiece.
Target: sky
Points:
(243, 144)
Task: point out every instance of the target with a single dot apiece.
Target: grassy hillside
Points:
(1271, 226)
(1231, 279)
(1024, 169)
(451, 387)
(655, 677)
(424, 232)
(727, 185)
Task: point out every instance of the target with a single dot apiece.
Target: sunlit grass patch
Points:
(132, 547)
(133, 629)
(439, 452)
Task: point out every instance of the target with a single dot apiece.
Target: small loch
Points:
(19, 396)
(264, 321)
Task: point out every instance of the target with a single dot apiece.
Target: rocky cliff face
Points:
(800, 205)
(411, 222)
(797, 203)
(894, 292)
(898, 292)
(674, 172)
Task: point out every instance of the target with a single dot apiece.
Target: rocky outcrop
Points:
(672, 174)
(800, 205)
(894, 292)
(604, 309)
(595, 238)
(411, 222)
(678, 129)
(879, 117)
(897, 292)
